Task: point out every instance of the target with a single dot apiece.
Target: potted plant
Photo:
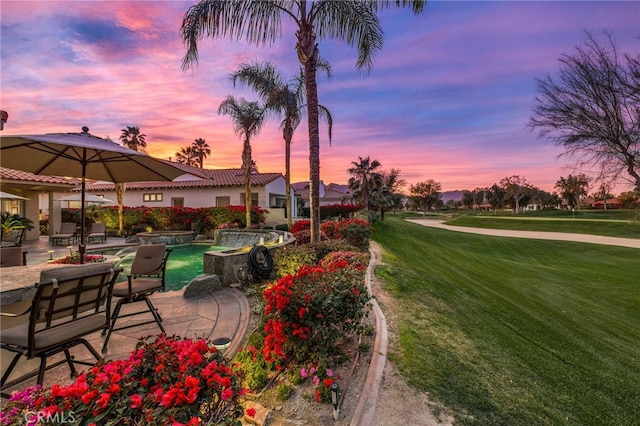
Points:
(13, 227)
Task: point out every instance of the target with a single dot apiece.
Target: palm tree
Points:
(248, 118)
(284, 98)
(201, 150)
(133, 139)
(259, 22)
(187, 156)
(385, 193)
(364, 178)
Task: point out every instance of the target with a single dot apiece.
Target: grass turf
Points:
(514, 331)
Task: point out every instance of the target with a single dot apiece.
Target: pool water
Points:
(185, 263)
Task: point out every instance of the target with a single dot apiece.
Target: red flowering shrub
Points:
(309, 312)
(331, 228)
(166, 381)
(300, 225)
(74, 259)
(140, 219)
(304, 236)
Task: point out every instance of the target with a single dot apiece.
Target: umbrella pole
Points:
(82, 248)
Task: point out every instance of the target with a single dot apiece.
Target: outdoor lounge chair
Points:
(98, 232)
(67, 232)
(70, 303)
(147, 276)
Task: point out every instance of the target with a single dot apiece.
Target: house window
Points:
(278, 202)
(177, 202)
(152, 197)
(254, 199)
(223, 201)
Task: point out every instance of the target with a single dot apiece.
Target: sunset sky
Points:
(449, 97)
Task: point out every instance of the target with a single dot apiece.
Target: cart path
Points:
(539, 235)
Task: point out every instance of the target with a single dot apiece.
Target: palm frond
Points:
(258, 22)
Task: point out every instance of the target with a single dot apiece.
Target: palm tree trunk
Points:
(246, 160)
(308, 56)
(287, 133)
(120, 188)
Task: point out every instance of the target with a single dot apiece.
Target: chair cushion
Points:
(71, 271)
(148, 259)
(56, 335)
(138, 286)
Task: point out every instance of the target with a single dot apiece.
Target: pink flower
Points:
(303, 373)
(329, 372)
(316, 380)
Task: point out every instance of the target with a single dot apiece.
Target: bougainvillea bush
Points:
(166, 381)
(141, 219)
(308, 313)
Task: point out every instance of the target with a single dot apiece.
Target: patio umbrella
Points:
(88, 198)
(7, 196)
(84, 156)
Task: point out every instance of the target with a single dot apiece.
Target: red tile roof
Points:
(17, 175)
(217, 178)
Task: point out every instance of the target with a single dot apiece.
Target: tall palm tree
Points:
(248, 118)
(201, 150)
(284, 98)
(133, 139)
(364, 178)
(259, 22)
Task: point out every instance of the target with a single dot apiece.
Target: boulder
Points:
(201, 285)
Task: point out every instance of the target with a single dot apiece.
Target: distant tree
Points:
(629, 200)
(385, 193)
(468, 199)
(516, 188)
(365, 175)
(426, 194)
(603, 193)
(200, 150)
(133, 139)
(592, 109)
(260, 23)
(479, 196)
(287, 100)
(187, 156)
(572, 188)
(495, 197)
(248, 118)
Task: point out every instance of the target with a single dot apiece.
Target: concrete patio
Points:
(223, 313)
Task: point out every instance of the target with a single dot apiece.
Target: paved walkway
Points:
(557, 236)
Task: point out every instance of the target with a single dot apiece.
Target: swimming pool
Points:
(184, 264)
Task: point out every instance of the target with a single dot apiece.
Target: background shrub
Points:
(323, 248)
(290, 258)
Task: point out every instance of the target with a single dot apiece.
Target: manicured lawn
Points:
(613, 223)
(514, 331)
